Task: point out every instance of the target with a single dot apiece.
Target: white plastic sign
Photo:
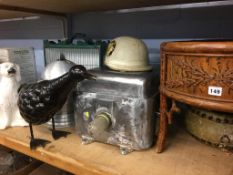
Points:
(215, 91)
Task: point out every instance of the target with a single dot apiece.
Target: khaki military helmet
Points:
(127, 54)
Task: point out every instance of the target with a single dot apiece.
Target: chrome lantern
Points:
(65, 117)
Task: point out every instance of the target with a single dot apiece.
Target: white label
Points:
(215, 91)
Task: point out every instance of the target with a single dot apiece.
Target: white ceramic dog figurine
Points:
(9, 84)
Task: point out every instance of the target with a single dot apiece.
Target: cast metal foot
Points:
(87, 139)
(125, 150)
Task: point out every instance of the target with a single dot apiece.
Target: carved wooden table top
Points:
(197, 73)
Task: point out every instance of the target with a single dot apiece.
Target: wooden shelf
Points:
(61, 7)
(185, 156)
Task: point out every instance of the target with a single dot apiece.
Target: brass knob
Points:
(101, 123)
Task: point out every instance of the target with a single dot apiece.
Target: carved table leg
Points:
(163, 124)
(169, 114)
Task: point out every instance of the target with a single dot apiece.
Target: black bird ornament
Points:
(38, 102)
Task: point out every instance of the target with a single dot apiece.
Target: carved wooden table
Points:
(198, 73)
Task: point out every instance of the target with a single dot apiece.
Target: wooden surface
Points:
(71, 6)
(6, 14)
(185, 156)
(198, 47)
(75, 6)
(199, 65)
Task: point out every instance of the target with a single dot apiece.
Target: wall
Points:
(153, 27)
(35, 43)
(157, 26)
(209, 22)
(30, 33)
(43, 28)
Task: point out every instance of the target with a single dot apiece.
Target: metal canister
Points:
(65, 117)
(214, 128)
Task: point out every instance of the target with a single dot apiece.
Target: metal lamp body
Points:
(118, 108)
(65, 117)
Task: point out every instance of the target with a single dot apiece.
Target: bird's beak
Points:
(90, 76)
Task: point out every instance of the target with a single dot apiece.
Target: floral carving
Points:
(191, 73)
(225, 76)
